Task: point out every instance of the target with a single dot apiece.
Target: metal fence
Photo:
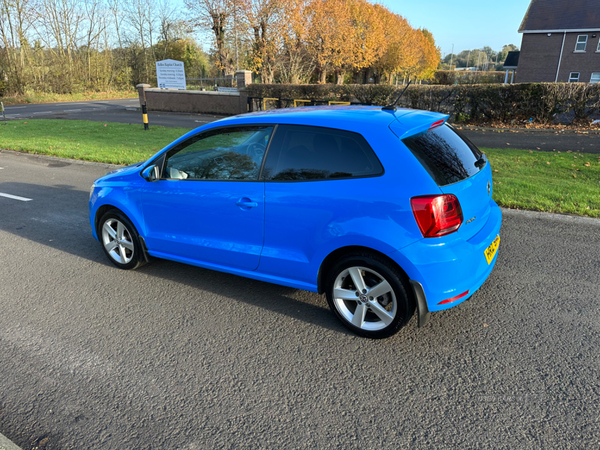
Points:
(264, 103)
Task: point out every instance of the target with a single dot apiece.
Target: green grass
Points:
(556, 182)
(41, 97)
(113, 143)
(523, 179)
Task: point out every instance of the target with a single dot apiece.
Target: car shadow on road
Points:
(301, 305)
(61, 223)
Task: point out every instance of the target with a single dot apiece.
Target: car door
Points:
(208, 205)
(317, 189)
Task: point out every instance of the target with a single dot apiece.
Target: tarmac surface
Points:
(176, 357)
(544, 140)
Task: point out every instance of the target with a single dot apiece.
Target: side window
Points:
(301, 153)
(574, 77)
(581, 43)
(222, 154)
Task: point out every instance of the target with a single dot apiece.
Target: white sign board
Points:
(170, 74)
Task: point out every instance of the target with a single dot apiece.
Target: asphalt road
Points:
(120, 111)
(127, 111)
(544, 140)
(176, 357)
(83, 108)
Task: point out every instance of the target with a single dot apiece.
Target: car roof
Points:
(353, 118)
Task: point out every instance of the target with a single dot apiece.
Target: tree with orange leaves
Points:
(430, 55)
(263, 19)
(328, 35)
(401, 50)
(295, 63)
(368, 37)
(410, 53)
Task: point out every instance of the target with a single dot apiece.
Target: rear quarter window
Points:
(448, 156)
(308, 153)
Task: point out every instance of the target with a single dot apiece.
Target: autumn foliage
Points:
(68, 46)
(295, 41)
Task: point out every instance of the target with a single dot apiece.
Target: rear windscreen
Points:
(448, 156)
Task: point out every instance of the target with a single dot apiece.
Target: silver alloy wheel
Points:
(117, 241)
(364, 298)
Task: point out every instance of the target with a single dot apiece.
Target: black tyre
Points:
(369, 295)
(120, 241)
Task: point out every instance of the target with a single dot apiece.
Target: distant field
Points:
(523, 179)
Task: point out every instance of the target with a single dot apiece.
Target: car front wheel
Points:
(369, 296)
(120, 241)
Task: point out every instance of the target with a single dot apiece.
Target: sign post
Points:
(170, 74)
(3, 116)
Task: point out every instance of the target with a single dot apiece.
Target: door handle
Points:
(246, 203)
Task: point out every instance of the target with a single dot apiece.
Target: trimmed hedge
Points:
(541, 102)
(467, 77)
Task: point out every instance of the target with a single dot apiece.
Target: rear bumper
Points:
(447, 269)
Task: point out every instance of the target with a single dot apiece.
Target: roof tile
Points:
(561, 15)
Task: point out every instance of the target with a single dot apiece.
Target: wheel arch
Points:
(341, 252)
(103, 209)
(110, 207)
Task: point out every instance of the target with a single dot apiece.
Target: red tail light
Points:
(437, 215)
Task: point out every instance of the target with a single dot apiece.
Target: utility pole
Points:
(451, 56)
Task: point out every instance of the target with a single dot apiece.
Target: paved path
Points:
(176, 357)
(545, 140)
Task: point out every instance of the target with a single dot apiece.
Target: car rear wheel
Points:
(120, 241)
(369, 296)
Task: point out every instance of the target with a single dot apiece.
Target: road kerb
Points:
(5, 444)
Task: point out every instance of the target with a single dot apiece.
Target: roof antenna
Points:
(392, 107)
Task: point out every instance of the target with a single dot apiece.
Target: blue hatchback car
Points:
(384, 211)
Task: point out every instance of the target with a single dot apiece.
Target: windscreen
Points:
(448, 156)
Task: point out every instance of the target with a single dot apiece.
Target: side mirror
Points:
(150, 173)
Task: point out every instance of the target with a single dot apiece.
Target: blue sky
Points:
(468, 24)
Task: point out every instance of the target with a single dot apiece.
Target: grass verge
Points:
(523, 179)
(40, 97)
(567, 183)
(114, 143)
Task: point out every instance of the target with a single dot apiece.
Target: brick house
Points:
(561, 42)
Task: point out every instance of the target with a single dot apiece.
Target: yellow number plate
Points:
(490, 252)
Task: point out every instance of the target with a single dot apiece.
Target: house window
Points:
(598, 48)
(595, 77)
(574, 77)
(581, 43)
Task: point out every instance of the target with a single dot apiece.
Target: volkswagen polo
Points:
(384, 211)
